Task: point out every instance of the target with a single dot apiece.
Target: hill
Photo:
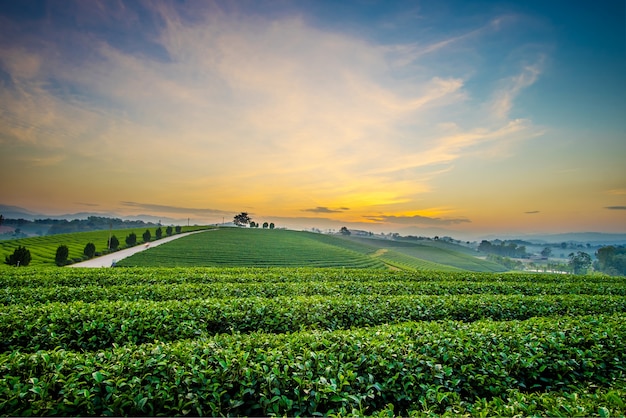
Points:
(276, 248)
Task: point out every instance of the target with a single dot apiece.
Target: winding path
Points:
(108, 259)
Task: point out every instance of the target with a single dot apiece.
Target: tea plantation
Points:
(309, 341)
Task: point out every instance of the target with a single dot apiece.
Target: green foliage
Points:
(579, 262)
(178, 229)
(428, 367)
(131, 239)
(611, 260)
(272, 225)
(61, 256)
(168, 231)
(90, 250)
(21, 257)
(158, 233)
(114, 243)
(309, 341)
(147, 236)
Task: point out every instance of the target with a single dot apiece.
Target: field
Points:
(43, 249)
(310, 341)
(234, 247)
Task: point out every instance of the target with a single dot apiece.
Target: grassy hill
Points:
(426, 255)
(254, 248)
(43, 249)
(276, 248)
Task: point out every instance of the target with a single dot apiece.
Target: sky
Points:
(419, 117)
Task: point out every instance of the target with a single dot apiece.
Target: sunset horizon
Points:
(475, 119)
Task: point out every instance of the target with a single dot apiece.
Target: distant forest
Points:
(21, 228)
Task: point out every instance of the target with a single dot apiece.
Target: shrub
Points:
(168, 231)
(178, 229)
(131, 239)
(147, 236)
(20, 257)
(90, 250)
(114, 243)
(158, 233)
(62, 254)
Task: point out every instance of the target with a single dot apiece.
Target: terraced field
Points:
(310, 341)
(231, 247)
(43, 249)
(255, 248)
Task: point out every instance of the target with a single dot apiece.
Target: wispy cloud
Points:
(532, 212)
(615, 207)
(323, 209)
(229, 110)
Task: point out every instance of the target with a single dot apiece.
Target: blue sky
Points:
(420, 116)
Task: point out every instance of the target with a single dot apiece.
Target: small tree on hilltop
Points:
(90, 250)
(168, 231)
(344, 231)
(131, 239)
(265, 225)
(242, 219)
(272, 225)
(114, 243)
(159, 233)
(20, 257)
(147, 236)
(61, 256)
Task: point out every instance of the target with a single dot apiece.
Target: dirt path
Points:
(108, 259)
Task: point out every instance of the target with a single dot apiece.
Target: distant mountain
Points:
(15, 212)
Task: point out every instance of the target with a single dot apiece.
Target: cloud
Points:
(615, 207)
(323, 209)
(532, 212)
(503, 98)
(174, 209)
(228, 109)
(417, 220)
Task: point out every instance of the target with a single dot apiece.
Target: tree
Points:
(114, 243)
(272, 225)
(579, 262)
(131, 239)
(159, 233)
(61, 256)
(242, 219)
(252, 224)
(1, 219)
(20, 257)
(344, 231)
(546, 252)
(147, 236)
(90, 250)
(265, 225)
(178, 229)
(168, 231)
